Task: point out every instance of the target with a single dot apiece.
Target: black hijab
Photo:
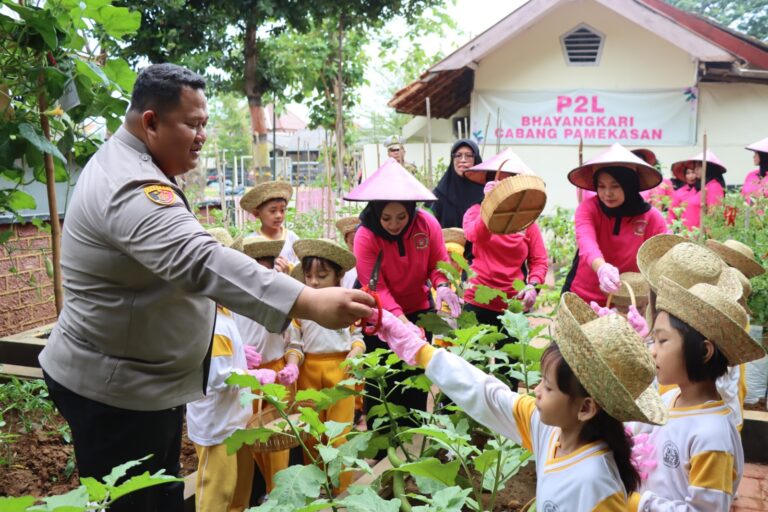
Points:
(370, 217)
(763, 163)
(633, 204)
(456, 193)
(713, 173)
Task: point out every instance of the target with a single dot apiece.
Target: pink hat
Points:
(390, 182)
(505, 164)
(678, 168)
(616, 156)
(760, 146)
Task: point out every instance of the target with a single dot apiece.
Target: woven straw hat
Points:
(221, 235)
(739, 255)
(390, 182)
(347, 225)
(760, 146)
(685, 263)
(616, 156)
(678, 168)
(718, 317)
(259, 247)
(746, 288)
(610, 360)
(324, 248)
(263, 192)
(237, 243)
(454, 235)
(639, 286)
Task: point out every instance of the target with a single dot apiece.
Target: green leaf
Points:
(60, 174)
(334, 429)
(20, 200)
(120, 471)
(485, 460)
(449, 270)
(517, 325)
(312, 418)
(55, 81)
(16, 504)
(73, 501)
(518, 349)
(368, 501)
(327, 453)
(121, 73)
(428, 485)
(467, 319)
(5, 236)
(432, 322)
(485, 294)
(96, 490)
(29, 132)
(420, 382)
(40, 21)
(246, 436)
(321, 504)
(92, 71)
(460, 260)
(295, 484)
(450, 499)
(142, 481)
(118, 21)
(433, 468)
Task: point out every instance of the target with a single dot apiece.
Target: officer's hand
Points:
(333, 308)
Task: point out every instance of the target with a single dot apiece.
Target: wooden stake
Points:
(485, 135)
(703, 189)
(429, 143)
(579, 191)
(498, 131)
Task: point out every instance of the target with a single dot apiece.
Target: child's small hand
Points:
(252, 356)
(600, 310)
(288, 375)
(282, 265)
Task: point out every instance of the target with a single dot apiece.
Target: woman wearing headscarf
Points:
(611, 226)
(456, 193)
(411, 243)
(756, 183)
(689, 195)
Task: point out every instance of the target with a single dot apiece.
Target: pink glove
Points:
(400, 337)
(527, 296)
(252, 356)
(637, 321)
(288, 375)
(489, 186)
(265, 375)
(448, 296)
(643, 454)
(415, 329)
(601, 310)
(608, 275)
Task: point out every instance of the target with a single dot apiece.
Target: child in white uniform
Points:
(573, 425)
(268, 203)
(347, 226)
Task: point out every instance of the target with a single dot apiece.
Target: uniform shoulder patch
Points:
(160, 194)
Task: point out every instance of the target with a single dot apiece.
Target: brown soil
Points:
(759, 406)
(36, 463)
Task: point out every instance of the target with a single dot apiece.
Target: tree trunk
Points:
(338, 86)
(254, 94)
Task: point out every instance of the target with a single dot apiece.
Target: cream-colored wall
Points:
(632, 57)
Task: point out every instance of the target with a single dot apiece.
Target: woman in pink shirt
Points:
(756, 183)
(611, 227)
(411, 243)
(689, 195)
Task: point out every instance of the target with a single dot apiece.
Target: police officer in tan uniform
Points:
(142, 279)
(396, 150)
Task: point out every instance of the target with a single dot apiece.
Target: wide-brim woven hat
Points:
(739, 255)
(616, 156)
(610, 360)
(713, 162)
(647, 155)
(390, 182)
(237, 243)
(324, 248)
(514, 204)
(714, 314)
(760, 146)
(505, 164)
(454, 235)
(638, 285)
(746, 288)
(347, 224)
(263, 192)
(259, 247)
(684, 262)
(221, 235)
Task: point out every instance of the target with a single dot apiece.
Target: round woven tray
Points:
(279, 441)
(514, 204)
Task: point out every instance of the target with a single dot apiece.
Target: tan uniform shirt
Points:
(141, 276)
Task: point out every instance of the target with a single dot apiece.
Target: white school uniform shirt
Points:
(350, 276)
(213, 418)
(699, 459)
(270, 345)
(586, 480)
(308, 337)
(728, 386)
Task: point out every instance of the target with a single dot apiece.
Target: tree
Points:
(747, 16)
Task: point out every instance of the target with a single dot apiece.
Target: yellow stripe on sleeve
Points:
(222, 346)
(425, 355)
(712, 470)
(523, 411)
(633, 503)
(613, 503)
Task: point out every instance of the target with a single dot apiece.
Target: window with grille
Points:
(582, 46)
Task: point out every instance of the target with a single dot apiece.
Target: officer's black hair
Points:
(694, 352)
(158, 87)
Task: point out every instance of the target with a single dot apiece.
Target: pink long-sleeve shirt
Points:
(595, 239)
(691, 198)
(499, 259)
(754, 186)
(402, 284)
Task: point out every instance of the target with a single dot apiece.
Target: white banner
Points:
(634, 118)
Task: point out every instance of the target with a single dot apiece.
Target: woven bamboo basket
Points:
(632, 298)
(283, 439)
(514, 204)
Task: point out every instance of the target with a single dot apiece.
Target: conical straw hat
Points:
(221, 235)
(259, 247)
(347, 224)
(324, 248)
(610, 360)
(263, 192)
(678, 168)
(507, 163)
(454, 235)
(647, 155)
(616, 156)
(739, 255)
(710, 311)
(760, 146)
(390, 182)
